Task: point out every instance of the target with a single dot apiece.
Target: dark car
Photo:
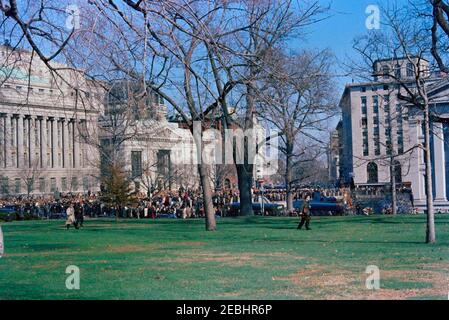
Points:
(322, 206)
(272, 209)
(8, 213)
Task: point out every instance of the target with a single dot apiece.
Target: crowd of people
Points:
(172, 204)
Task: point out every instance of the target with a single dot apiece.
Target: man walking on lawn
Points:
(304, 211)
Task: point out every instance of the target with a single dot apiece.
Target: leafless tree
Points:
(439, 30)
(30, 175)
(298, 101)
(404, 38)
(259, 29)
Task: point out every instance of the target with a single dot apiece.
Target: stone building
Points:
(41, 118)
(380, 132)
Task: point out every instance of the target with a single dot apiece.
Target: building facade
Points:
(381, 135)
(41, 123)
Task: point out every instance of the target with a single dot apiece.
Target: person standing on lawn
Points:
(304, 211)
(70, 216)
(79, 215)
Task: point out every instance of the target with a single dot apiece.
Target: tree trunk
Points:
(245, 181)
(393, 186)
(430, 230)
(288, 176)
(207, 198)
(118, 209)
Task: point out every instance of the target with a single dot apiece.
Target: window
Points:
(74, 183)
(397, 71)
(365, 143)
(136, 163)
(42, 185)
(63, 184)
(52, 184)
(163, 164)
(364, 106)
(400, 129)
(17, 186)
(4, 184)
(41, 90)
(30, 185)
(410, 70)
(376, 144)
(386, 72)
(375, 104)
(371, 169)
(397, 172)
(86, 185)
(363, 89)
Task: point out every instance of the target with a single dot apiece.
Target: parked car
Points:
(269, 208)
(8, 213)
(322, 206)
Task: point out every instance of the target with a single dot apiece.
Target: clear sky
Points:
(346, 21)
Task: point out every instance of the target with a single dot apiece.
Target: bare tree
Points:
(241, 56)
(403, 39)
(30, 175)
(439, 30)
(298, 102)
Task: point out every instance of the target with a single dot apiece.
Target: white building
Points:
(377, 126)
(41, 118)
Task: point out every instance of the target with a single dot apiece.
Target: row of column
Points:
(39, 141)
(439, 163)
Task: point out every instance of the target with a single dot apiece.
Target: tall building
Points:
(333, 154)
(380, 132)
(42, 118)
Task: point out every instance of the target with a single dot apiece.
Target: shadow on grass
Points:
(289, 240)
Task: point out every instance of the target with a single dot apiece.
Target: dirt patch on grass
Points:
(317, 282)
(238, 259)
(148, 247)
(131, 248)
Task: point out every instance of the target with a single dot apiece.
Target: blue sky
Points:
(346, 21)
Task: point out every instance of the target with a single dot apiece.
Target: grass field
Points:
(256, 258)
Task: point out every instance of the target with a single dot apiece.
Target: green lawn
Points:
(257, 258)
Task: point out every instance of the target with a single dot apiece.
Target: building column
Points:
(2, 141)
(8, 161)
(34, 161)
(54, 142)
(416, 162)
(65, 143)
(20, 149)
(43, 141)
(76, 147)
(440, 168)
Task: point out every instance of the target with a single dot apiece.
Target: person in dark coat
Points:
(305, 213)
(79, 215)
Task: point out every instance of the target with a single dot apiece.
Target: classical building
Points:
(41, 122)
(379, 132)
(159, 152)
(136, 135)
